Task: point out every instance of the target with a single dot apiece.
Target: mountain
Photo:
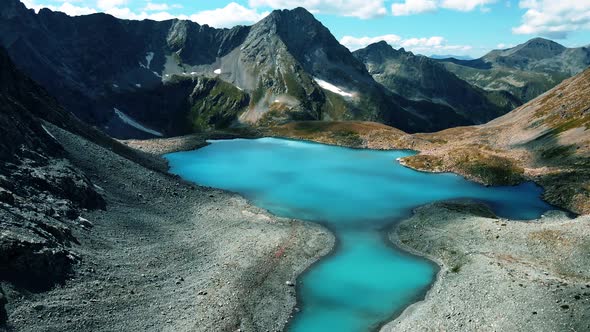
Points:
(42, 193)
(147, 78)
(420, 78)
(93, 63)
(526, 70)
(450, 56)
(546, 140)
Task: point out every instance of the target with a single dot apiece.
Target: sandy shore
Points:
(170, 256)
(497, 274)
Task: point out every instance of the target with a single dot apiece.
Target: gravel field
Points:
(167, 255)
(497, 274)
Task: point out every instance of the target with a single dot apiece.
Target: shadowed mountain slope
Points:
(421, 78)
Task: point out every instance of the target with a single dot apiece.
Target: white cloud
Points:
(66, 7)
(553, 18)
(410, 7)
(466, 5)
(427, 46)
(228, 16)
(73, 10)
(128, 14)
(156, 6)
(357, 8)
(354, 43)
(109, 4)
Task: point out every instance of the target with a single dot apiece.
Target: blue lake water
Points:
(357, 194)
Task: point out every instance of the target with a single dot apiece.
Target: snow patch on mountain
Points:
(48, 132)
(331, 87)
(149, 56)
(130, 121)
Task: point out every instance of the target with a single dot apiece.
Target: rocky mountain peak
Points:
(537, 48)
(299, 13)
(380, 46)
(311, 44)
(295, 25)
(543, 43)
(378, 52)
(11, 8)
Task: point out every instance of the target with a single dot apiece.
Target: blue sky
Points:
(458, 27)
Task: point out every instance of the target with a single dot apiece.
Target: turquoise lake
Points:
(358, 195)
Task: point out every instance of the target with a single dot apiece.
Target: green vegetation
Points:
(215, 104)
(525, 85)
(335, 106)
(495, 170)
(562, 151)
(347, 138)
(425, 162)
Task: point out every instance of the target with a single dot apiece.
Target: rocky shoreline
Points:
(216, 264)
(498, 274)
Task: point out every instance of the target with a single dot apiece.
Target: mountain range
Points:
(526, 70)
(141, 79)
(448, 56)
(147, 78)
(420, 78)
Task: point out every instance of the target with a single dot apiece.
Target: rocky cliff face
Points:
(89, 62)
(421, 78)
(526, 70)
(289, 65)
(41, 193)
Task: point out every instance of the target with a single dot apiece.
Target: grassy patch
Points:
(347, 138)
(498, 172)
(561, 151)
(216, 105)
(425, 162)
(456, 268)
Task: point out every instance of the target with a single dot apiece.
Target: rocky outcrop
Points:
(3, 314)
(41, 193)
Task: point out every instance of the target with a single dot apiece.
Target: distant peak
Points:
(301, 11)
(542, 42)
(383, 45)
(296, 19)
(295, 12)
(379, 51)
